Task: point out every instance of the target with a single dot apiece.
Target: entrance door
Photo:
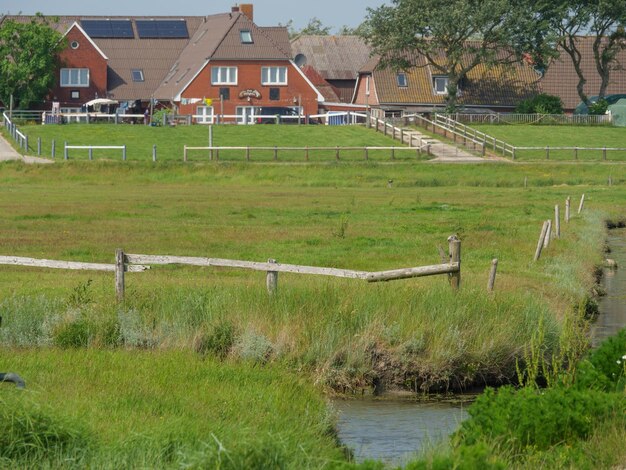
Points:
(245, 114)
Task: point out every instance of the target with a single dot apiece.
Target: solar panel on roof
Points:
(162, 29)
(120, 29)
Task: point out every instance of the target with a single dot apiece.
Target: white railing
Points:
(16, 134)
(91, 148)
(545, 119)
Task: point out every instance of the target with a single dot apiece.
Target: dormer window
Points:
(440, 84)
(401, 79)
(246, 36)
(137, 75)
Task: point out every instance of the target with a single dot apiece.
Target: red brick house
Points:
(179, 62)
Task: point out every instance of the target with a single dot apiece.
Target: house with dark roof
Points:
(335, 59)
(218, 64)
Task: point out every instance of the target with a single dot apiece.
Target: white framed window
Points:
(367, 86)
(274, 75)
(224, 75)
(440, 85)
(204, 115)
(75, 77)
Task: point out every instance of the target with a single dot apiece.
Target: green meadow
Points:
(200, 367)
(596, 137)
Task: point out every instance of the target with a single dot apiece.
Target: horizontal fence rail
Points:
(549, 119)
(91, 148)
(136, 263)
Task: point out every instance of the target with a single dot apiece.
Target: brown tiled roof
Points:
(502, 85)
(334, 57)
(329, 92)
(219, 39)
(560, 78)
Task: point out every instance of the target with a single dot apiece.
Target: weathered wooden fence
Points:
(136, 263)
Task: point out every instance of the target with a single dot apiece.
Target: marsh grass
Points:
(159, 409)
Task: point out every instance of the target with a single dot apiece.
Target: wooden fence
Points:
(136, 263)
(544, 119)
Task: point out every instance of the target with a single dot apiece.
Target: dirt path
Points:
(9, 153)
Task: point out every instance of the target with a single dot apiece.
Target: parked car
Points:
(265, 112)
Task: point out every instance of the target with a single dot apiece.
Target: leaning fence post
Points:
(582, 204)
(454, 246)
(542, 237)
(557, 221)
(272, 279)
(548, 237)
(492, 275)
(119, 275)
(568, 203)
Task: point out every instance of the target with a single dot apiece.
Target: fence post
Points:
(54, 148)
(337, 152)
(492, 275)
(513, 152)
(575, 153)
(367, 157)
(185, 153)
(582, 204)
(385, 126)
(275, 152)
(26, 144)
(542, 237)
(66, 153)
(306, 153)
(271, 280)
(568, 203)
(603, 153)
(90, 153)
(154, 153)
(124, 153)
(548, 153)
(119, 275)
(548, 237)
(610, 181)
(557, 221)
(38, 146)
(454, 246)
(248, 153)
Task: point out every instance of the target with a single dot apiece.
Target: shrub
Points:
(540, 104)
(219, 341)
(605, 368)
(536, 418)
(599, 107)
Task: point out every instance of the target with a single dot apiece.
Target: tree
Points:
(361, 30)
(28, 60)
(603, 19)
(453, 37)
(314, 27)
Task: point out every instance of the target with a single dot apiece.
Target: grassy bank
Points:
(560, 136)
(171, 140)
(129, 409)
(412, 334)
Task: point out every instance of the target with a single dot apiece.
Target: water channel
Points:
(393, 430)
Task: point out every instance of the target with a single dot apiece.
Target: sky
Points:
(335, 13)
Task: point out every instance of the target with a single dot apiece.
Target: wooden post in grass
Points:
(548, 153)
(548, 237)
(393, 153)
(604, 153)
(306, 153)
(185, 154)
(54, 148)
(542, 236)
(575, 153)
(492, 275)
(124, 153)
(39, 148)
(366, 153)
(568, 203)
(557, 221)
(272, 279)
(65, 153)
(119, 275)
(154, 153)
(337, 153)
(90, 153)
(582, 204)
(275, 152)
(248, 153)
(525, 181)
(454, 247)
(610, 181)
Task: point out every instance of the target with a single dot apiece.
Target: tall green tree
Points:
(314, 27)
(28, 60)
(604, 20)
(453, 36)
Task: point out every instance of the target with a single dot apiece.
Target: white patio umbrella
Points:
(100, 101)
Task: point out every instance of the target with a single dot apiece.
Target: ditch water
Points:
(612, 316)
(394, 430)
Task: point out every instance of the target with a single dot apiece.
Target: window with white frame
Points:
(246, 36)
(367, 86)
(204, 114)
(224, 76)
(75, 77)
(274, 75)
(401, 79)
(441, 85)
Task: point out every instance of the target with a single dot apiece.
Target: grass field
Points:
(217, 326)
(561, 136)
(171, 140)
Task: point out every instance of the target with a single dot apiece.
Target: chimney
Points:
(235, 9)
(248, 10)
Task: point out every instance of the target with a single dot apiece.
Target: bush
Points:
(605, 367)
(541, 104)
(535, 418)
(599, 107)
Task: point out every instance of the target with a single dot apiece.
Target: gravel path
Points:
(9, 153)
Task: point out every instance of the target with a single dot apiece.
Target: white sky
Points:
(335, 13)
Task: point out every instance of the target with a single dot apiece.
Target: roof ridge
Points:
(228, 30)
